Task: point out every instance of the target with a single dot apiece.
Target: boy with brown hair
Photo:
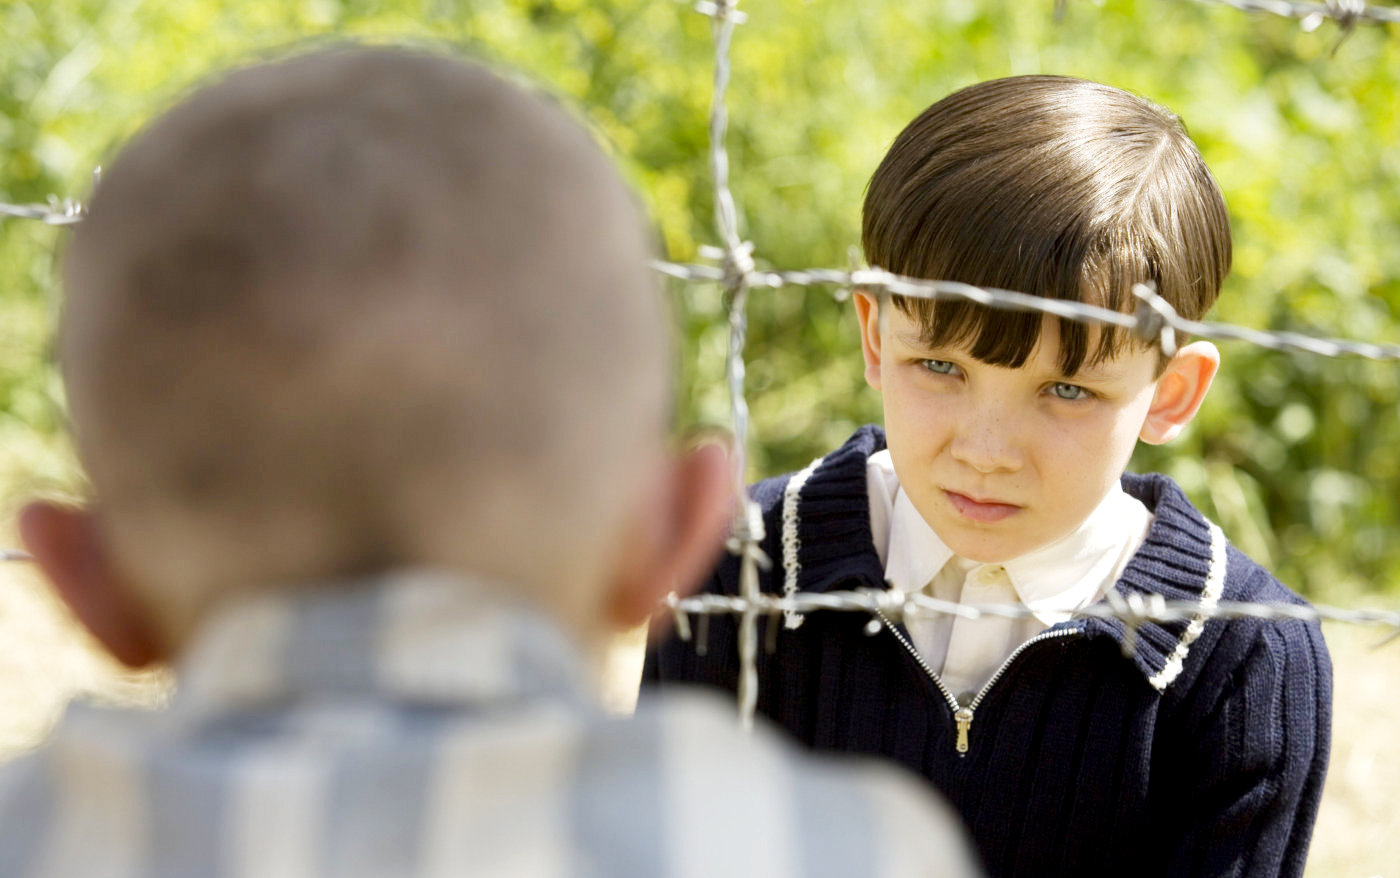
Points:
(999, 478)
(368, 370)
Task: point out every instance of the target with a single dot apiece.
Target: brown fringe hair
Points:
(1053, 186)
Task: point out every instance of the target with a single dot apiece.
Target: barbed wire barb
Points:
(54, 213)
(1347, 13)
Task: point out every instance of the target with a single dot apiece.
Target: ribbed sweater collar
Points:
(1182, 558)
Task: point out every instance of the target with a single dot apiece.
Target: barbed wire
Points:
(736, 268)
(1154, 319)
(1131, 609)
(1347, 13)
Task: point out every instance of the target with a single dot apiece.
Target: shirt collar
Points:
(1076, 569)
(420, 636)
(915, 553)
(1053, 580)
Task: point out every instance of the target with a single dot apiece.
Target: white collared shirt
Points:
(1053, 581)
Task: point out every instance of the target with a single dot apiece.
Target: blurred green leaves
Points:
(1294, 456)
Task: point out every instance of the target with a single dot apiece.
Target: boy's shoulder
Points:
(1182, 533)
(839, 473)
(1187, 557)
(817, 522)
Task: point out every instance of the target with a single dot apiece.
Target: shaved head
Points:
(359, 309)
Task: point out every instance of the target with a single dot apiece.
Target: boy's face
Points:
(1002, 461)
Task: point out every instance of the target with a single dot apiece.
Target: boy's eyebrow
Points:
(1088, 372)
(914, 340)
(1100, 371)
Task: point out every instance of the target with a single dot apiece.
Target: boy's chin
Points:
(983, 543)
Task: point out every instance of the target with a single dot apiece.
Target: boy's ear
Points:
(1180, 391)
(67, 547)
(678, 538)
(868, 313)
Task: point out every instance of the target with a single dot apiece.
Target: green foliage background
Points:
(1295, 456)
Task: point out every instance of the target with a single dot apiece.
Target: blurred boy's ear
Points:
(677, 538)
(868, 313)
(67, 547)
(1180, 391)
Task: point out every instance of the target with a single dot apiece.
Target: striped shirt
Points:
(414, 726)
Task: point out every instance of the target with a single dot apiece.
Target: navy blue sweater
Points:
(1202, 755)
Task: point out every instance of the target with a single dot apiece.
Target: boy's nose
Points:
(987, 445)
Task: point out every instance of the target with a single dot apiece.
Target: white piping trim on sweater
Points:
(791, 566)
(1210, 595)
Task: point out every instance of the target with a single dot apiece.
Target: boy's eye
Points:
(1065, 390)
(939, 367)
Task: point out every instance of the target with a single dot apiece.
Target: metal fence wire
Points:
(732, 265)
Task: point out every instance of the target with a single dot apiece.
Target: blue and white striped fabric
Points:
(413, 726)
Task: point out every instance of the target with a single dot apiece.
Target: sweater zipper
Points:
(962, 714)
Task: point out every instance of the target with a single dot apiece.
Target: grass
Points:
(1356, 829)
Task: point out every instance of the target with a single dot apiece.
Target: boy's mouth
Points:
(980, 510)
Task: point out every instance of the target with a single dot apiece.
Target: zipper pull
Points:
(963, 716)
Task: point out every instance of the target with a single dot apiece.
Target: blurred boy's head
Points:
(1008, 428)
(363, 309)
